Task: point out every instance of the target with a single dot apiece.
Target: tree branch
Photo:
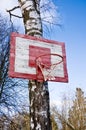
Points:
(16, 7)
(11, 14)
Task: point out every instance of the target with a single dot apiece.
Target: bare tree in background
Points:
(11, 90)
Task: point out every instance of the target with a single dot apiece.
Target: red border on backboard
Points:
(12, 72)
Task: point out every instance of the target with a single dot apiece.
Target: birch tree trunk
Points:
(38, 92)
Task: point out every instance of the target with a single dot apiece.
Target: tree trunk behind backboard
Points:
(38, 92)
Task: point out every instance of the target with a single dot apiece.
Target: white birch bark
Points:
(31, 17)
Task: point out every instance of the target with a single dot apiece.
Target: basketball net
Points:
(48, 71)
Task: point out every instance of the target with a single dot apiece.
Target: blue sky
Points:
(73, 15)
(73, 33)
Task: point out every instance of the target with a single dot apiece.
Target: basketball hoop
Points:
(48, 69)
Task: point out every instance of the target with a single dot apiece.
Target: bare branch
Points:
(56, 24)
(11, 14)
(16, 7)
(15, 15)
